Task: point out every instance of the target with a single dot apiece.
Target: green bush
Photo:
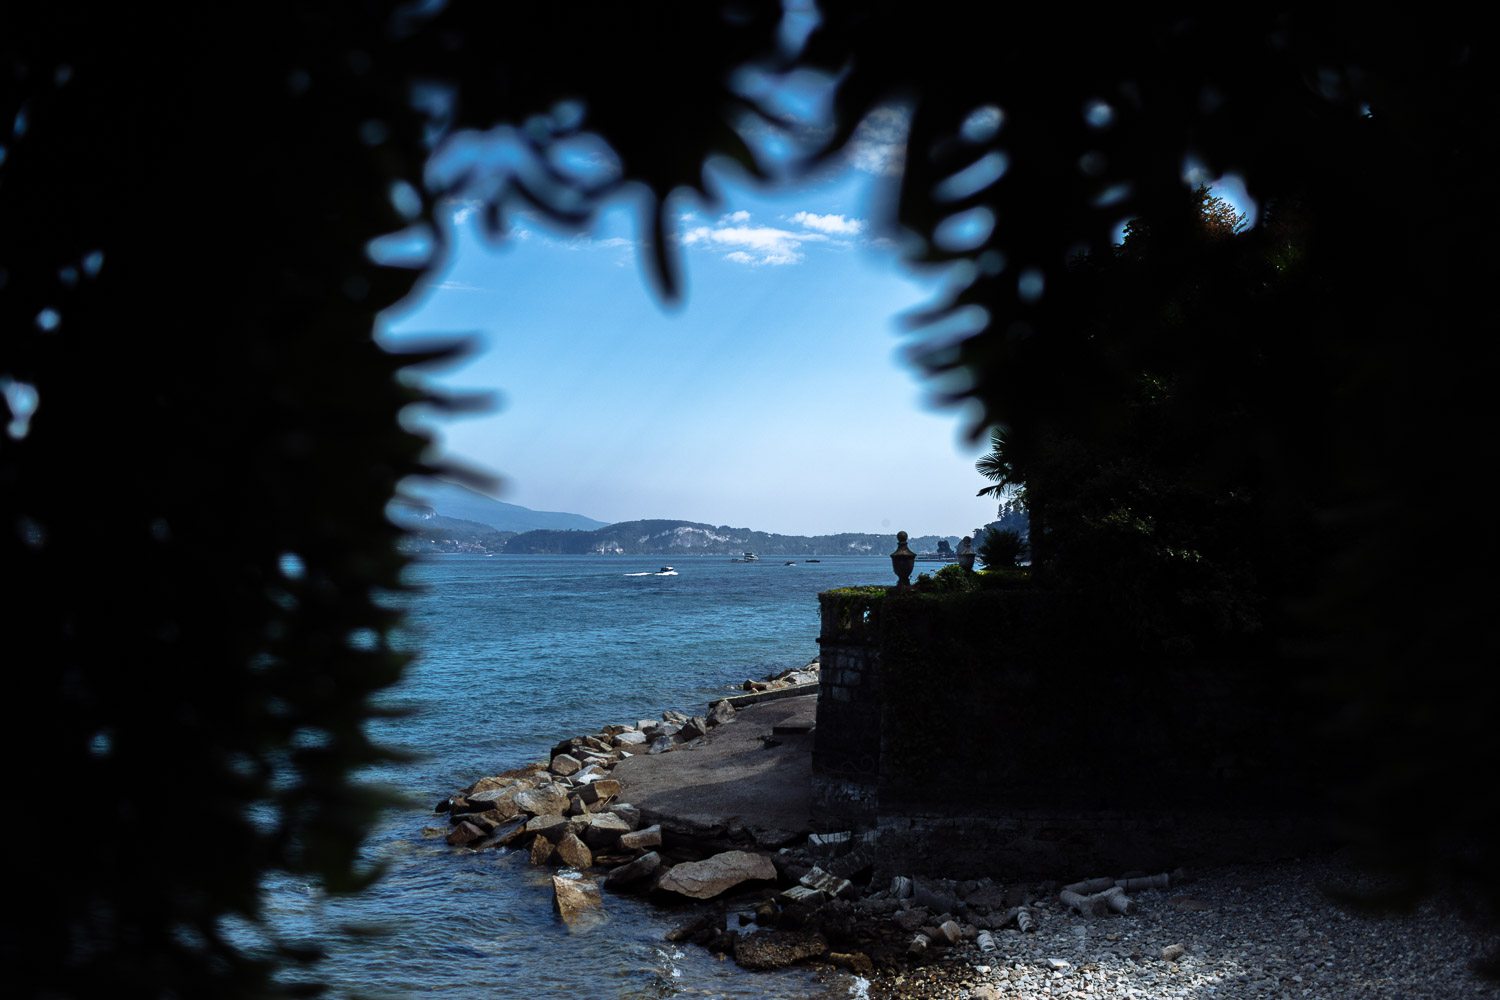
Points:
(1000, 549)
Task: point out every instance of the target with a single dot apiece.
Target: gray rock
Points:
(720, 873)
(951, 932)
(596, 791)
(629, 739)
(629, 813)
(802, 894)
(464, 833)
(578, 901)
(507, 834)
(488, 821)
(777, 949)
(551, 827)
(662, 745)
(541, 851)
(694, 728)
(501, 793)
(498, 784)
(641, 839)
(827, 882)
(635, 873)
(1172, 952)
(721, 713)
(672, 715)
(573, 852)
(604, 829)
(547, 800)
(565, 764)
(933, 900)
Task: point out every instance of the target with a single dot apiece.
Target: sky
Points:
(775, 397)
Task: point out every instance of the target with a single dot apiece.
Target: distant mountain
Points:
(689, 537)
(433, 533)
(444, 499)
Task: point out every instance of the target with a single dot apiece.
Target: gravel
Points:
(1240, 932)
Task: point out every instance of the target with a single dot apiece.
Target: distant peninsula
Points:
(658, 537)
(446, 517)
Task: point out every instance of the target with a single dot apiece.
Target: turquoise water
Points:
(517, 652)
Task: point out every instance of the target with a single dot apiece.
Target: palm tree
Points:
(999, 467)
(1005, 467)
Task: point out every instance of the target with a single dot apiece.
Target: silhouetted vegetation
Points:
(187, 301)
(1000, 549)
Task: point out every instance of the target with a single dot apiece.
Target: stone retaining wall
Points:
(990, 733)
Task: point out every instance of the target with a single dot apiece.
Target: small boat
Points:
(749, 557)
(791, 562)
(814, 560)
(666, 571)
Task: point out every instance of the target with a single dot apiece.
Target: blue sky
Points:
(774, 398)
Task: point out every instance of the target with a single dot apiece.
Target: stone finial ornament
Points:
(966, 553)
(902, 561)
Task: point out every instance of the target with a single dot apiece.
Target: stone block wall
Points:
(846, 741)
(992, 733)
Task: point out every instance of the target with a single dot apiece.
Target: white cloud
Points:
(753, 244)
(834, 225)
(740, 216)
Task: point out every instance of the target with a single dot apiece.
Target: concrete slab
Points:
(734, 783)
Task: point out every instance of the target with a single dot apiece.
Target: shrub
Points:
(1000, 549)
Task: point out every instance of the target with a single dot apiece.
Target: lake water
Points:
(517, 652)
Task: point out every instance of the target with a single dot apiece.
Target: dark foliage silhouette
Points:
(202, 435)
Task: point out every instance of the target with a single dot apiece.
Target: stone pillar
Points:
(846, 742)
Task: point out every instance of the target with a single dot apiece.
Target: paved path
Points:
(734, 784)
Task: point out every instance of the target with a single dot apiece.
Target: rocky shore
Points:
(708, 814)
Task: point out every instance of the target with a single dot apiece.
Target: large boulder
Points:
(642, 839)
(597, 791)
(541, 851)
(547, 800)
(573, 852)
(629, 739)
(551, 827)
(498, 783)
(692, 729)
(509, 833)
(718, 874)
(633, 874)
(578, 901)
(721, 713)
(604, 829)
(777, 949)
(629, 813)
(565, 764)
(464, 833)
